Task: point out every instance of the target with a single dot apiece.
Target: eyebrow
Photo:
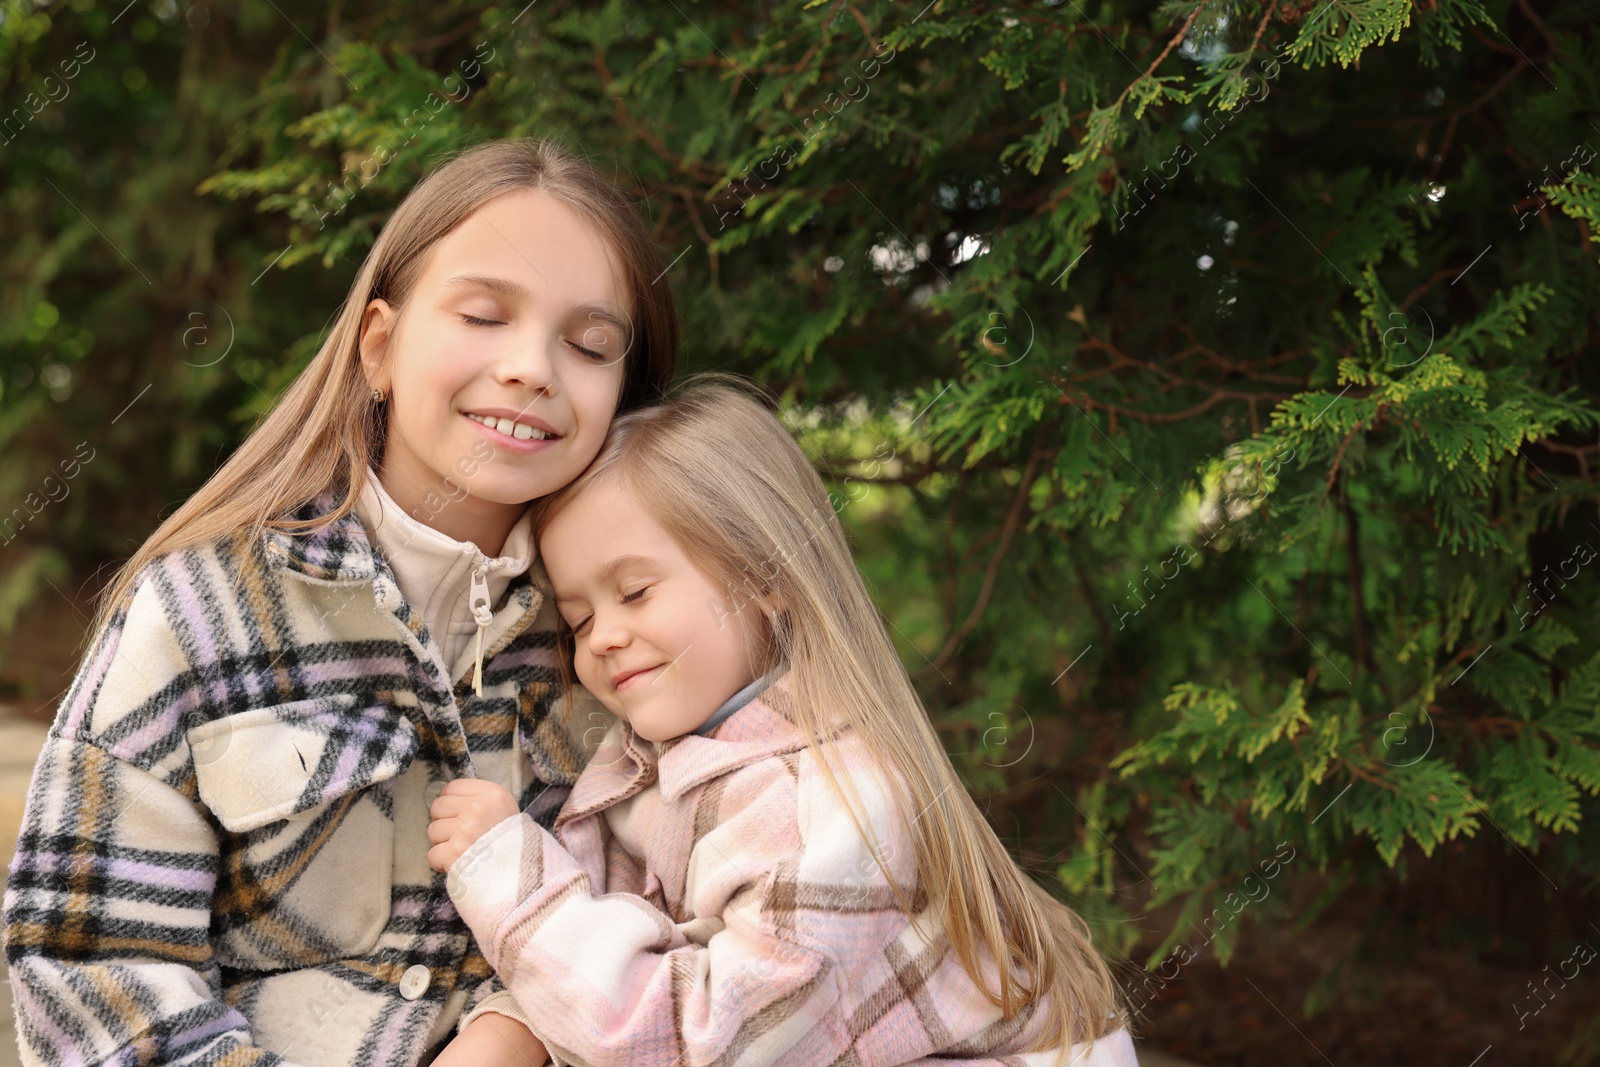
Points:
(609, 571)
(513, 291)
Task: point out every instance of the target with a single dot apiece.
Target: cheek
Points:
(432, 366)
(726, 634)
(583, 666)
(595, 392)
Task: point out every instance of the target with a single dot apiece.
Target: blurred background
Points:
(1209, 389)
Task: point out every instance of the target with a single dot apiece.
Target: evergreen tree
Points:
(1204, 383)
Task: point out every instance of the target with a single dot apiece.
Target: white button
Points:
(415, 981)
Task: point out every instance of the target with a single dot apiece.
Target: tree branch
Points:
(1182, 32)
(1019, 507)
(1358, 608)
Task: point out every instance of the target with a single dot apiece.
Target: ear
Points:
(377, 327)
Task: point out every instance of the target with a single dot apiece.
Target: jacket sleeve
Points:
(492, 996)
(109, 903)
(610, 980)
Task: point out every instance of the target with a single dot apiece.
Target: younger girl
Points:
(223, 857)
(770, 859)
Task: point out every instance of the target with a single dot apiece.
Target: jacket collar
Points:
(339, 551)
(624, 764)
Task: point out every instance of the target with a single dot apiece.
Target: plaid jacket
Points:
(223, 852)
(710, 901)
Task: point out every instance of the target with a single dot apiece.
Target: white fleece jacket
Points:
(435, 572)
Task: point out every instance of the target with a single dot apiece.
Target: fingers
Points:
(464, 810)
(471, 794)
(448, 807)
(441, 856)
(473, 787)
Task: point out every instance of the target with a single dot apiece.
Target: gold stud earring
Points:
(377, 396)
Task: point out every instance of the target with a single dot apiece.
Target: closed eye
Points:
(626, 598)
(591, 353)
(473, 320)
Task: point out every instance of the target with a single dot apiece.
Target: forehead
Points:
(601, 525)
(532, 243)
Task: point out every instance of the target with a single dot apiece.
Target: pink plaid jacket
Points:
(708, 901)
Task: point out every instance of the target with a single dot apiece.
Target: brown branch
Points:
(696, 170)
(1147, 417)
(1582, 455)
(1444, 146)
(1180, 35)
(694, 218)
(439, 40)
(1339, 456)
(1019, 507)
(1485, 728)
(1487, 95)
(1490, 43)
(1101, 623)
(1366, 776)
(866, 27)
(1433, 279)
(1246, 370)
(1533, 17)
(1358, 609)
(1079, 27)
(1066, 189)
(1271, 8)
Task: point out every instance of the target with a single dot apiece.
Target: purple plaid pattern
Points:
(223, 853)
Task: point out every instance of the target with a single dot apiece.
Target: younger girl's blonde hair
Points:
(732, 487)
(326, 432)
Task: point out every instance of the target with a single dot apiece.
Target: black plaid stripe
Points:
(382, 741)
(239, 652)
(339, 551)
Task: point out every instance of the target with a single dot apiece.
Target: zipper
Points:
(478, 600)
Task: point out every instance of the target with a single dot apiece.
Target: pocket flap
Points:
(267, 764)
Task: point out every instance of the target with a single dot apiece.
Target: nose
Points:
(606, 634)
(531, 363)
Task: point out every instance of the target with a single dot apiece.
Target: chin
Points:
(516, 494)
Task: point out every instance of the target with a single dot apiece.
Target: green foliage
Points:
(1214, 414)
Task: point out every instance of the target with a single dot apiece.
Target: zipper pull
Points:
(478, 600)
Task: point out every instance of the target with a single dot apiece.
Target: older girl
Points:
(771, 858)
(223, 856)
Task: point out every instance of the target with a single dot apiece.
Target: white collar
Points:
(437, 574)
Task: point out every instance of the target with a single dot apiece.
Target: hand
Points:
(464, 811)
(493, 1040)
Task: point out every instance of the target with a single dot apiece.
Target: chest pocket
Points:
(301, 791)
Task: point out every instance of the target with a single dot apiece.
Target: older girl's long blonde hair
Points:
(325, 433)
(725, 479)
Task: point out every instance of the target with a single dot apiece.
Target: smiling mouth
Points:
(519, 430)
(625, 679)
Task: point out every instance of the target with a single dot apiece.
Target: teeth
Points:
(521, 431)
